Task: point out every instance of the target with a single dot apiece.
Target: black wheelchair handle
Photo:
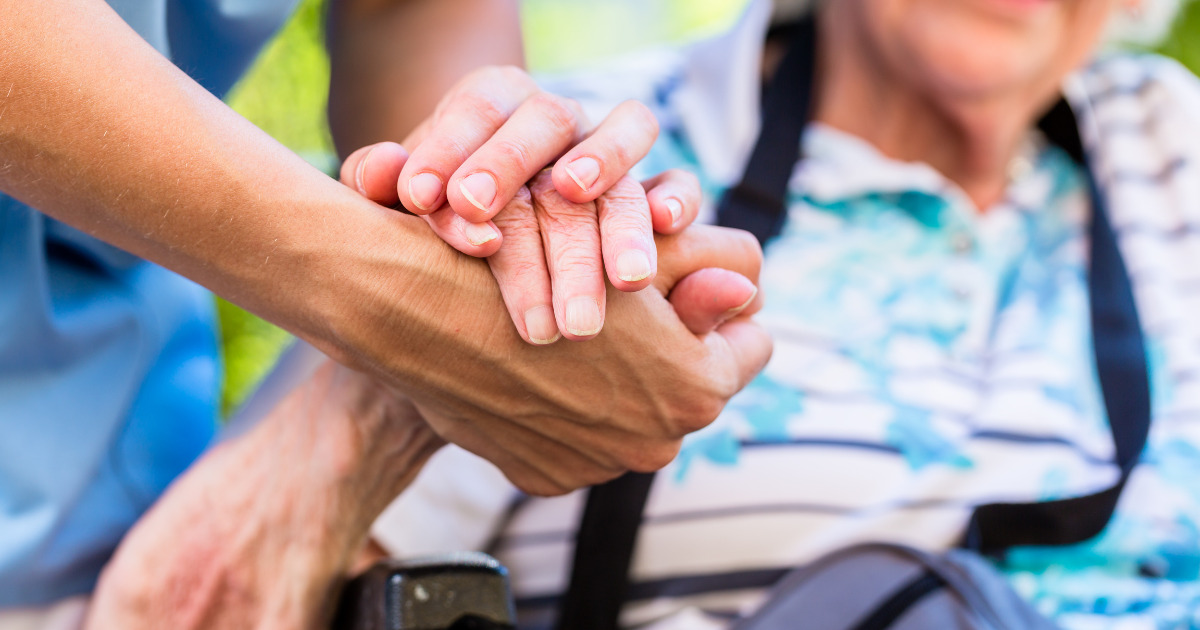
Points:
(461, 591)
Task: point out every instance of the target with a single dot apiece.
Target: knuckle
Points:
(517, 221)
(622, 153)
(653, 457)
(512, 75)
(573, 225)
(518, 209)
(545, 486)
(575, 263)
(642, 116)
(555, 111)
(484, 108)
(557, 213)
(625, 207)
(685, 179)
(511, 154)
(575, 105)
(700, 406)
(524, 197)
(445, 144)
(748, 245)
(625, 189)
(626, 223)
(526, 272)
(702, 414)
(524, 231)
(597, 476)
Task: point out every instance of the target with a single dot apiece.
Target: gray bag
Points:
(876, 586)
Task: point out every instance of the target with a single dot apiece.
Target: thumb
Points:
(703, 246)
(709, 297)
(740, 350)
(373, 171)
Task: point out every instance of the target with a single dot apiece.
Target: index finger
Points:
(537, 132)
(468, 116)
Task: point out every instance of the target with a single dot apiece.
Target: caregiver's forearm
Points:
(100, 131)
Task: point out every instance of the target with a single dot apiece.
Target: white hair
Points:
(1145, 26)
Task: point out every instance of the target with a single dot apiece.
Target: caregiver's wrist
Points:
(388, 274)
(329, 263)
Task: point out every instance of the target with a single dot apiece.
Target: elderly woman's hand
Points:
(263, 529)
(496, 127)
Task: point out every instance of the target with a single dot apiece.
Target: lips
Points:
(1026, 3)
(1018, 8)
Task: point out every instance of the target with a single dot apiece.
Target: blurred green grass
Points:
(1184, 41)
(285, 95)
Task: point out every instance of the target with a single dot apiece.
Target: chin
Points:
(979, 49)
(972, 70)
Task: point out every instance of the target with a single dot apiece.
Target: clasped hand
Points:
(557, 419)
(552, 236)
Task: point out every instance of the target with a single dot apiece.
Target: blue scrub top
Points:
(109, 367)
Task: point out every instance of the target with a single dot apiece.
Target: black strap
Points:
(1120, 353)
(613, 514)
(603, 551)
(758, 204)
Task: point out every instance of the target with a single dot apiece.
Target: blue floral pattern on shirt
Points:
(868, 272)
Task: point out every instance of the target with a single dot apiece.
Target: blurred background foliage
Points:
(285, 94)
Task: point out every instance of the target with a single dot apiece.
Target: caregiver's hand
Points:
(555, 418)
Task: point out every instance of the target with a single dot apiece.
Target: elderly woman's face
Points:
(980, 48)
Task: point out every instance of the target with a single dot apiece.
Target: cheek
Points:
(1087, 21)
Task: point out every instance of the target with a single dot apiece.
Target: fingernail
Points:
(540, 325)
(358, 172)
(585, 171)
(633, 265)
(583, 317)
(676, 210)
(425, 189)
(733, 312)
(480, 233)
(479, 189)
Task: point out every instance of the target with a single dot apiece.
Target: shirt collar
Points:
(839, 166)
